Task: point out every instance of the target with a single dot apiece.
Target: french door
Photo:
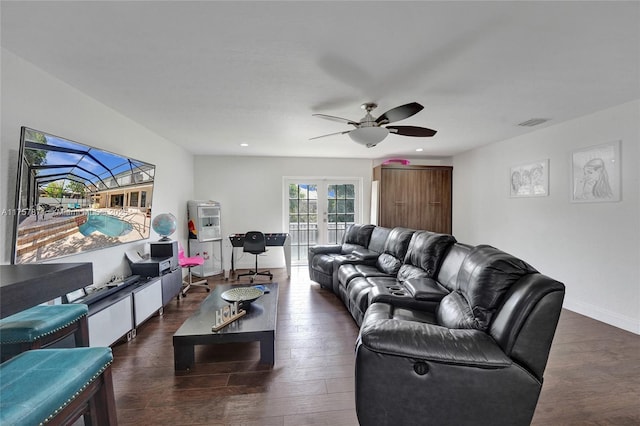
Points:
(319, 211)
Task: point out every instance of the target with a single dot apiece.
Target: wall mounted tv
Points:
(72, 198)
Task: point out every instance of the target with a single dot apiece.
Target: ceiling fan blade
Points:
(330, 134)
(339, 119)
(399, 113)
(420, 132)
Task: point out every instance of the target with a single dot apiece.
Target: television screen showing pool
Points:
(72, 198)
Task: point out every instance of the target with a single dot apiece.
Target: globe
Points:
(164, 224)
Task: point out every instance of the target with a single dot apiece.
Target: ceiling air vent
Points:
(533, 122)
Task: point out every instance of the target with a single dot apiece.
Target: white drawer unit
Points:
(147, 300)
(112, 323)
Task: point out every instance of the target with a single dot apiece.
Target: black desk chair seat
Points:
(256, 244)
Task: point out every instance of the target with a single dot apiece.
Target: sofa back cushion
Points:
(448, 273)
(454, 312)
(378, 239)
(395, 248)
(356, 236)
(484, 278)
(424, 255)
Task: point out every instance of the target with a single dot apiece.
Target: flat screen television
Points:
(72, 198)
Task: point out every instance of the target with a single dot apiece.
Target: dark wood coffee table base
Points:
(258, 324)
(184, 353)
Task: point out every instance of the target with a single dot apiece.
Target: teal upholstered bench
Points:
(41, 326)
(57, 386)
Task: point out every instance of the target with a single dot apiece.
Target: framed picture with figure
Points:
(529, 180)
(595, 174)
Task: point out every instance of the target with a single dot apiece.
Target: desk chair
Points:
(190, 262)
(256, 244)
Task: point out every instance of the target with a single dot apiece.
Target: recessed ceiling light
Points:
(419, 149)
(244, 144)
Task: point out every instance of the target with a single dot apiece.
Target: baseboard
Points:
(609, 317)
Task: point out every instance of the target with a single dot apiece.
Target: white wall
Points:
(250, 190)
(33, 98)
(594, 248)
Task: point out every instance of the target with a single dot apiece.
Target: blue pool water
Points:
(107, 225)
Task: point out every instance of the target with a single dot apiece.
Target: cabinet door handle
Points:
(435, 202)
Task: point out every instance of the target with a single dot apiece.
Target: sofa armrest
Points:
(398, 296)
(325, 249)
(426, 289)
(431, 342)
(366, 256)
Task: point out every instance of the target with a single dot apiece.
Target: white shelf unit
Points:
(205, 236)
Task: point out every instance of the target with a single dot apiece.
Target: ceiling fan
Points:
(369, 131)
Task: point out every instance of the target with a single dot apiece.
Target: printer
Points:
(148, 266)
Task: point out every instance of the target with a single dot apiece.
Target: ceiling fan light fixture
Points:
(369, 136)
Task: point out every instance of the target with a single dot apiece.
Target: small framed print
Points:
(595, 174)
(529, 180)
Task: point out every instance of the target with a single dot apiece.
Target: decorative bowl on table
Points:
(243, 295)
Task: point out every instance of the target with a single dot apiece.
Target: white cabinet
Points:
(171, 285)
(112, 323)
(147, 300)
(118, 314)
(211, 252)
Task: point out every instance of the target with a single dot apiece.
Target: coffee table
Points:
(259, 324)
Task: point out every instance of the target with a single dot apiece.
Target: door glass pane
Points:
(303, 219)
(340, 211)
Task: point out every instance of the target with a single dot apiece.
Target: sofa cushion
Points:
(378, 239)
(426, 251)
(358, 235)
(346, 273)
(484, 278)
(454, 312)
(448, 273)
(395, 250)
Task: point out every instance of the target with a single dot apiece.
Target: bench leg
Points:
(81, 334)
(102, 407)
(96, 403)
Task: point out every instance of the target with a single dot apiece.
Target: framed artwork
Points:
(529, 180)
(595, 174)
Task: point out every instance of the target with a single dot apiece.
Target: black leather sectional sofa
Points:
(450, 334)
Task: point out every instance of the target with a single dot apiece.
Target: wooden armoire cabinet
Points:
(416, 197)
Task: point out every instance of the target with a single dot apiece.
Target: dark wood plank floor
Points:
(593, 376)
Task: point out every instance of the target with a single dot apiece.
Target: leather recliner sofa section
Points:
(449, 333)
(323, 258)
